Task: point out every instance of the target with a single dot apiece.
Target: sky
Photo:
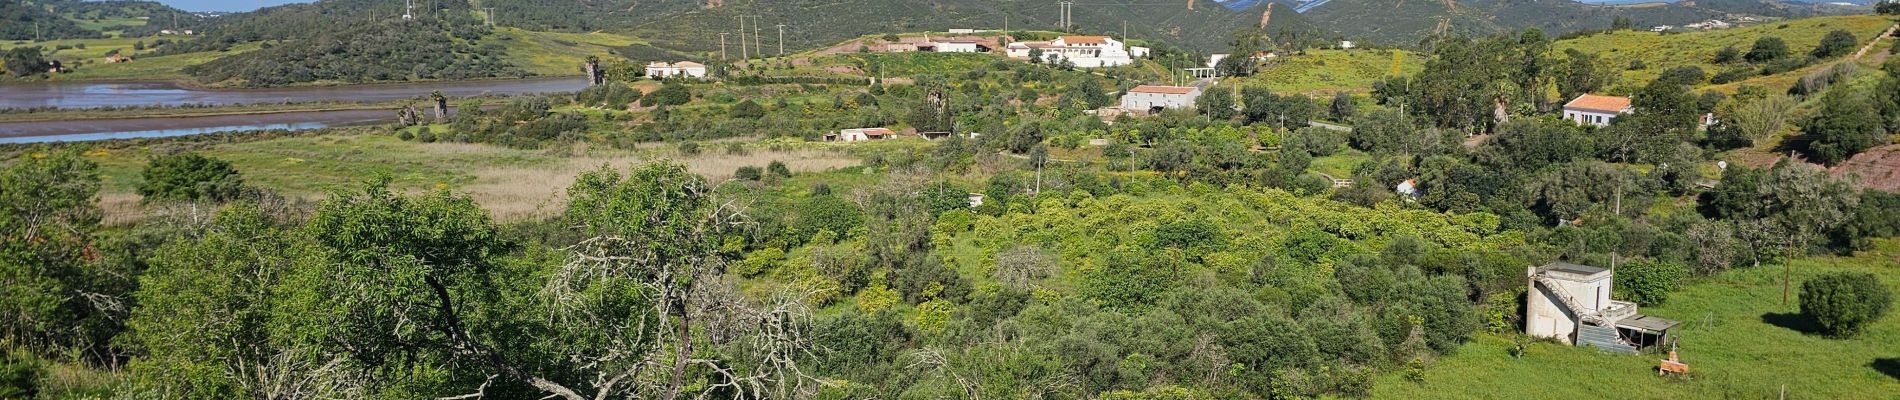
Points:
(226, 5)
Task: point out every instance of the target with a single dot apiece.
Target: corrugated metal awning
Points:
(1647, 323)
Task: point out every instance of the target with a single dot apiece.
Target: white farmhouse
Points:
(1597, 110)
(1345, 44)
(960, 46)
(1571, 303)
(1150, 98)
(683, 68)
(860, 135)
(1083, 51)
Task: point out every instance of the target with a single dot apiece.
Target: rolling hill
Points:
(1406, 22)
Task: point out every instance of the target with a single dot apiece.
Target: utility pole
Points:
(742, 50)
(756, 48)
(722, 46)
(781, 39)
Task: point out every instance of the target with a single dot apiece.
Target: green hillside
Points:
(1405, 22)
(1733, 337)
(1660, 52)
(1329, 71)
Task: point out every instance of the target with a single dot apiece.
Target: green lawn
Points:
(1732, 336)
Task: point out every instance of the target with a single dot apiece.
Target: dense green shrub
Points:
(1767, 48)
(1648, 282)
(1836, 43)
(1843, 304)
(189, 177)
(749, 172)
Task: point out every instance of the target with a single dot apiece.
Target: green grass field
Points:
(1328, 71)
(1734, 335)
(1660, 52)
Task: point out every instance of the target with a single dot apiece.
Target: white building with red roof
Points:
(1152, 98)
(1083, 51)
(1597, 110)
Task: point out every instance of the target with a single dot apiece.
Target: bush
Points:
(750, 173)
(189, 177)
(689, 148)
(1767, 48)
(1838, 42)
(1842, 304)
(1648, 282)
(777, 168)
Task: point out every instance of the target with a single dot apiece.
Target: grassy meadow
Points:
(511, 183)
(1660, 52)
(556, 53)
(1321, 72)
(1737, 337)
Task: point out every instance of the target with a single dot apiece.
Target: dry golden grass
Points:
(512, 193)
(121, 208)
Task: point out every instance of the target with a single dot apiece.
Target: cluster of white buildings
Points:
(658, 70)
(1081, 51)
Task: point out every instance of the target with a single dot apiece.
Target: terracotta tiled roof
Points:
(1591, 102)
(1073, 40)
(1162, 89)
(688, 64)
(877, 132)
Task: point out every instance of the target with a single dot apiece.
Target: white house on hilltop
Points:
(1150, 98)
(1597, 110)
(1083, 51)
(682, 68)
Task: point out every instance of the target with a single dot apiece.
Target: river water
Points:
(89, 95)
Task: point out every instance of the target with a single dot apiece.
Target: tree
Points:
(1800, 205)
(1767, 48)
(1887, 7)
(1843, 304)
(49, 212)
(1342, 108)
(1761, 118)
(634, 295)
(205, 319)
(1648, 282)
(1836, 43)
(189, 177)
(1216, 104)
(1846, 124)
(25, 60)
(398, 285)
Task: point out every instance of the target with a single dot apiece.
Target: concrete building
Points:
(1150, 98)
(658, 70)
(1571, 303)
(1083, 51)
(1596, 110)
